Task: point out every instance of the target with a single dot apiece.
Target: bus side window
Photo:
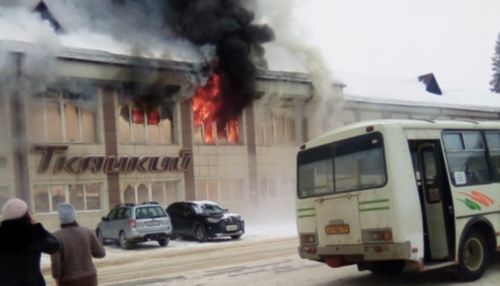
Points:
(493, 139)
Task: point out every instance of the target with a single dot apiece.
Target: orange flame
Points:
(206, 103)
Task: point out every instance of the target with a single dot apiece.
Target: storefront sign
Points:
(54, 158)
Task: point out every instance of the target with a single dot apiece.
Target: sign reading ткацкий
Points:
(53, 157)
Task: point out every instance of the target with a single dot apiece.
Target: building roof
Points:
(412, 92)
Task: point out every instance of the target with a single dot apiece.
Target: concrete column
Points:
(187, 142)
(111, 142)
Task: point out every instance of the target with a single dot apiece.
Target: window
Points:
(81, 196)
(136, 125)
(493, 140)
(209, 132)
(220, 190)
(163, 192)
(41, 198)
(92, 196)
(466, 155)
(316, 178)
(142, 193)
(353, 164)
(113, 214)
(275, 129)
(129, 195)
(61, 116)
(359, 170)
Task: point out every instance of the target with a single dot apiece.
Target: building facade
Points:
(84, 139)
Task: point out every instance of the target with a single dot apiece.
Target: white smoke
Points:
(291, 52)
(134, 28)
(26, 32)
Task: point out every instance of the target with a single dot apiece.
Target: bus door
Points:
(436, 202)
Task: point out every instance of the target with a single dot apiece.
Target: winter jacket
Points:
(21, 245)
(73, 261)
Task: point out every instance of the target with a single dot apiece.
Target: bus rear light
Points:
(307, 238)
(381, 235)
(309, 250)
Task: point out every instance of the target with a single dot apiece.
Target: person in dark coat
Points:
(72, 265)
(22, 241)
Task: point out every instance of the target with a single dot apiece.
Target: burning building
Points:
(110, 148)
(95, 128)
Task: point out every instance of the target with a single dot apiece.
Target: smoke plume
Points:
(226, 25)
(219, 34)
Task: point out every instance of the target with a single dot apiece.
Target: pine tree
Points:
(495, 81)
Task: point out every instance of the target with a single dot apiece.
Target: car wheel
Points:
(238, 236)
(473, 257)
(200, 233)
(163, 242)
(123, 241)
(100, 237)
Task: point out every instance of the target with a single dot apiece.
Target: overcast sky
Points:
(455, 39)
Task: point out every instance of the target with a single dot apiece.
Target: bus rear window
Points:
(353, 164)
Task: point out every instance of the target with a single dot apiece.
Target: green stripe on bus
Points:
(302, 216)
(373, 202)
(306, 209)
(374, 209)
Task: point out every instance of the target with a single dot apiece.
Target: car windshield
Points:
(208, 209)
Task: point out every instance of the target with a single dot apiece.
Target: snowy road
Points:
(267, 263)
(257, 259)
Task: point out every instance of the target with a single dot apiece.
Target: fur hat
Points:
(14, 208)
(66, 213)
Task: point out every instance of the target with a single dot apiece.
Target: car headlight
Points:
(212, 220)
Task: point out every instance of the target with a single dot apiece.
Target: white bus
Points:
(390, 194)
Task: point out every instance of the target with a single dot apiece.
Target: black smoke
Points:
(228, 26)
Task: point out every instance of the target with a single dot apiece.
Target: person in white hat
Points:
(22, 240)
(73, 265)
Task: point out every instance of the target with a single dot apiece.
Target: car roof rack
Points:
(150, 203)
(124, 205)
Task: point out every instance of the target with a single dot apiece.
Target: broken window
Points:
(147, 126)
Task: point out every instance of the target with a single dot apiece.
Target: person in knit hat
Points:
(72, 265)
(22, 241)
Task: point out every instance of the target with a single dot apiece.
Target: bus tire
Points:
(392, 267)
(472, 257)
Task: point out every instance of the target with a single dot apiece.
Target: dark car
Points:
(129, 223)
(203, 220)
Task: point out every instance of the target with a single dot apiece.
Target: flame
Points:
(206, 103)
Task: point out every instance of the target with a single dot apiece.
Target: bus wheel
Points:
(473, 257)
(392, 267)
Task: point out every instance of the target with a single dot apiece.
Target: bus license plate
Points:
(337, 229)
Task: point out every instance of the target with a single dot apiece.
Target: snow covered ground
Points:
(254, 231)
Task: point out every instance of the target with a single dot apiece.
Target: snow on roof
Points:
(412, 92)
